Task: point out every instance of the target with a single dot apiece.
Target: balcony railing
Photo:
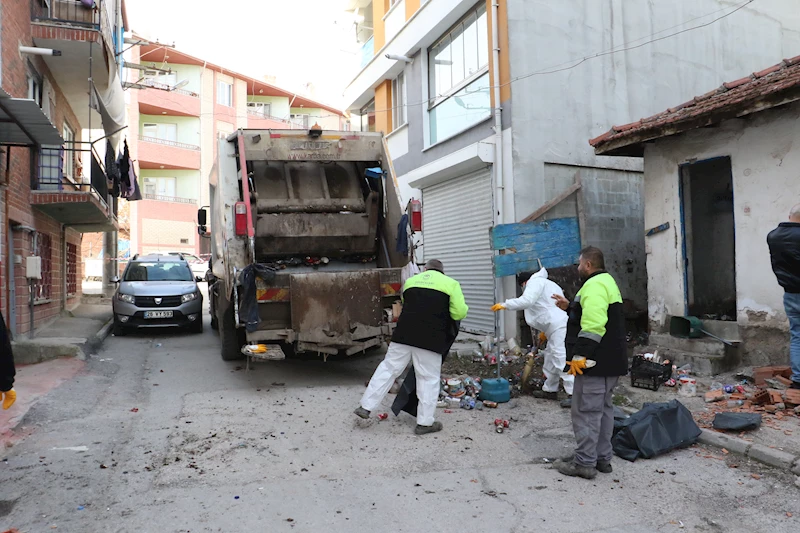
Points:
(84, 14)
(166, 142)
(255, 113)
(173, 199)
(53, 161)
(367, 52)
(164, 87)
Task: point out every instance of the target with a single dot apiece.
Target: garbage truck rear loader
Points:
(303, 228)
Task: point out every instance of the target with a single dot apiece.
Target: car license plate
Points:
(158, 314)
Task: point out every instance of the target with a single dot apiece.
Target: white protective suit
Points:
(542, 313)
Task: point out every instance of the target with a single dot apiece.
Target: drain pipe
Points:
(499, 189)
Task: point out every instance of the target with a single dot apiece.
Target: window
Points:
(43, 288)
(72, 269)
(367, 114)
(167, 271)
(35, 89)
(51, 167)
(158, 188)
(186, 241)
(259, 109)
(399, 101)
(458, 72)
(164, 132)
(224, 93)
(299, 120)
(69, 153)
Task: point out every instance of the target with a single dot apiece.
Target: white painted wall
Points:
(394, 19)
(398, 142)
(765, 158)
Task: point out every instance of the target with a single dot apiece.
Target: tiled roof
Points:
(762, 90)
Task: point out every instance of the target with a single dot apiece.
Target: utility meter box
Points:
(33, 267)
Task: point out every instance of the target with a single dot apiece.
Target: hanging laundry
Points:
(112, 171)
(126, 186)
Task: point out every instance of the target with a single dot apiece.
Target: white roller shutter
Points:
(457, 217)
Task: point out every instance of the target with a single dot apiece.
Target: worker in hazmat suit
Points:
(541, 313)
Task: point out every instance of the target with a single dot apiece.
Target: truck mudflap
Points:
(341, 310)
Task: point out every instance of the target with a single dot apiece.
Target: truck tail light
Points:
(240, 218)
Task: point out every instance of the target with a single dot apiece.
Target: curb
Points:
(93, 344)
(757, 452)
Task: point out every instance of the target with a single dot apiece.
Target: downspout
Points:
(499, 192)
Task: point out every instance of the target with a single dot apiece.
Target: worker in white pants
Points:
(431, 301)
(541, 313)
(427, 367)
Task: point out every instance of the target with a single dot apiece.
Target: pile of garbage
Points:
(768, 390)
(462, 392)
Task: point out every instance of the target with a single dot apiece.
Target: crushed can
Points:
(489, 404)
(383, 416)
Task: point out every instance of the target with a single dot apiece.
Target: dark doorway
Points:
(709, 239)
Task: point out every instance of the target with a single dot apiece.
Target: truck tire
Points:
(212, 297)
(230, 337)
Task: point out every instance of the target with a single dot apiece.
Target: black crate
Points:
(648, 375)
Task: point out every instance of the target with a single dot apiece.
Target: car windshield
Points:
(171, 271)
(191, 258)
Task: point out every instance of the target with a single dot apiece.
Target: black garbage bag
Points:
(406, 399)
(737, 421)
(248, 307)
(656, 429)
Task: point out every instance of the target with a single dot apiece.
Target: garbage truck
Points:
(304, 228)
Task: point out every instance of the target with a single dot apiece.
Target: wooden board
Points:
(556, 243)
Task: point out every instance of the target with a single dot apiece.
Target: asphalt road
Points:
(158, 434)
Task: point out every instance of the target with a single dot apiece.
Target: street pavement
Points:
(157, 434)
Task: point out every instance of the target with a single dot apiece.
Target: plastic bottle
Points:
(735, 403)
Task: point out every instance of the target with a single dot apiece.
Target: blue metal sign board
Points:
(556, 243)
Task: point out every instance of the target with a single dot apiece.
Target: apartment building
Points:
(53, 183)
(487, 105)
(179, 106)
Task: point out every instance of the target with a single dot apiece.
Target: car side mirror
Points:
(202, 217)
(115, 279)
(198, 279)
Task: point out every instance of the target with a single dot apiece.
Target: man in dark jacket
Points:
(7, 372)
(784, 250)
(597, 357)
(430, 301)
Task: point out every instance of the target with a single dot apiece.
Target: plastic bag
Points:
(656, 429)
(737, 421)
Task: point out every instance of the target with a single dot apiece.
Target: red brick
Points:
(775, 396)
(783, 380)
(714, 396)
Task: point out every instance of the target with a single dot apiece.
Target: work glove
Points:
(8, 397)
(578, 364)
(542, 336)
(498, 307)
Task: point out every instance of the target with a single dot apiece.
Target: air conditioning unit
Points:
(33, 267)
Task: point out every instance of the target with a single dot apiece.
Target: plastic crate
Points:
(648, 375)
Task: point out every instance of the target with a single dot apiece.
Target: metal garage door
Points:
(457, 217)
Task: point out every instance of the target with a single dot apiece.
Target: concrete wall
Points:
(765, 155)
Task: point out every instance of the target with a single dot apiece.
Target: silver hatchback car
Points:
(157, 291)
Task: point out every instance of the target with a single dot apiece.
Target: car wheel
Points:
(231, 338)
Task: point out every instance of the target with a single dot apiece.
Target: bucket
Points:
(687, 386)
(686, 327)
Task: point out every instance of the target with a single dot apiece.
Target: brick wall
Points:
(16, 31)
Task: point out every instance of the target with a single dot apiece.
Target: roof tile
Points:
(737, 83)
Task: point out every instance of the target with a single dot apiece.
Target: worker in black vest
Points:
(597, 356)
(7, 371)
(431, 301)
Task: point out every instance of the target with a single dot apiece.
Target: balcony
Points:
(161, 100)
(64, 192)
(157, 153)
(169, 199)
(68, 26)
(258, 120)
(366, 53)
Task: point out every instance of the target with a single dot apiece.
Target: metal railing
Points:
(54, 160)
(84, 14)
(173, 199)
(255, 113)
(166, 142)
(366, 53)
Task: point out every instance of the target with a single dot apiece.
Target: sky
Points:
(298, 41)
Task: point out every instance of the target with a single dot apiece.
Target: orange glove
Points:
(9, 397)
(498, 307)
(542, 337)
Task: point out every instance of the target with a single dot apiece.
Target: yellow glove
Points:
(9, 397)
(542, 337)
(576, 366)
(498, 307)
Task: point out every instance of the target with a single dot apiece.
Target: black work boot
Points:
(575, 470)
(603, 467)
(361, 412)
(567, 404)
(544, 395)
(424, 430)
